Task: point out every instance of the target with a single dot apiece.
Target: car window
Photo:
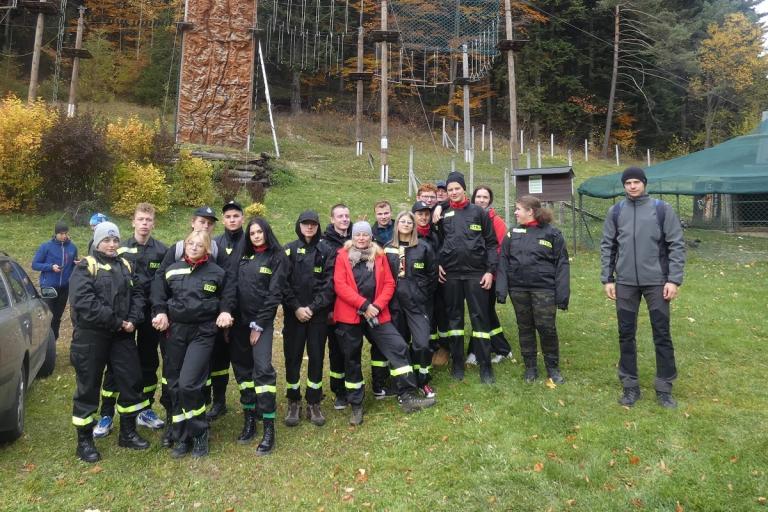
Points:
(5, 301)
(18, 288)
(25, 280)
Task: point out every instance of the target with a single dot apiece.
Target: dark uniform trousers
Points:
(296, 337)
(415, 326)
(336, 363)
(216, 385)
(147, 341)
(455, 292)
(89, 354)
(439, 325)
(389, 342)
(535, 311)
(185, 368)
(499, 343)
(627, 307)
(254, 373)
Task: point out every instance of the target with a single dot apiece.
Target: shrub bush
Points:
(130, 140)
(163, 145)
(255, 209)
(192, 181)
(136, 183)
(21, 132)
(76, 164)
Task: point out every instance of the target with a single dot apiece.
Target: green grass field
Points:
(508, 446)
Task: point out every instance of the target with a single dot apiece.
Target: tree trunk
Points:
(709, 119)
(612, 96)
(296, 92)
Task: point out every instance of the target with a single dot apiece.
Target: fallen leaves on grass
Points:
(636, 502)
(362, 476)
(28, 467)
(95, 470)
(538, 467)
(634, 459)
(762, 500)
(734, 459)
(679, 507)
(550, 384)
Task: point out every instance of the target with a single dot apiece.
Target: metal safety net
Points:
(321, 36)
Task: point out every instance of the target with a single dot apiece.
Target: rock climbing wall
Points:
(216, 79)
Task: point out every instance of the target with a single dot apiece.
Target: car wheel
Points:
(17, 412)
(50, 356)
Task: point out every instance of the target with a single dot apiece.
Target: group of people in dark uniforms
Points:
(211, 303)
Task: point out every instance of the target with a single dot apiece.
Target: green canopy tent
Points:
(733, 176)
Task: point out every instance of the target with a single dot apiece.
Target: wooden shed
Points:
(549, 184)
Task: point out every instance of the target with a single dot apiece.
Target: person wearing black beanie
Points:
(633, 173)
(642, 256)
(468, 259)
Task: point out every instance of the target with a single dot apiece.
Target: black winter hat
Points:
(309, 216)
(232, 205)
(418, 206)
(456, 177)
(633, 173)
(60, 227)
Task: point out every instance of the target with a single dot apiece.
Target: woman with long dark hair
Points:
(534, 270)
(261, 278)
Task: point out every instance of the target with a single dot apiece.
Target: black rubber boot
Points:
(200, 445)
(486, 374)
(630, 396)
(267, 443)
(249, 427)
(86, 448)
(457, 369)
(129, 438)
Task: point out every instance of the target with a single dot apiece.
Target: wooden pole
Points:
(384, 98)
(445, 136)
(359, 99)
(648, 156)
(32, 94)
(552, 145)
(513, 156)
(586, 150)
(457, 137)
(538, 155)
(465, 74)
(482, 139)
(76, 64)
(617, 155)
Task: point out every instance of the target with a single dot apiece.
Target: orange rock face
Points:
(216, 83)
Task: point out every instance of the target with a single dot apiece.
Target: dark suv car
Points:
(27, 344)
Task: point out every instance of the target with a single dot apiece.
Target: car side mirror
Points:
(47, 292)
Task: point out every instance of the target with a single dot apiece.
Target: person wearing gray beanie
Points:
(102, 231)
(361, 227)
(107, 304)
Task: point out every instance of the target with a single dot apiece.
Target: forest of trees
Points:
(687, 73)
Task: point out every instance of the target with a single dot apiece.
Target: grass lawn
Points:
(508, 446)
